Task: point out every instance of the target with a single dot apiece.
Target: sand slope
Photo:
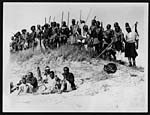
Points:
(124, 90)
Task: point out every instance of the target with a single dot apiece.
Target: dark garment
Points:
(130, 50)
(118, 46)
(32, 81)
(70, 78)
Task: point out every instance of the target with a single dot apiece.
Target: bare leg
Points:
(134, 63)
(129, 59)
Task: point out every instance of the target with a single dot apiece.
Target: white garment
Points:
(119, 55)
(131, 37)
(51, 84)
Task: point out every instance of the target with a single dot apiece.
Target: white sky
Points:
(17, 16)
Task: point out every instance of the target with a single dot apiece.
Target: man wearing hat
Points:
(131, 41)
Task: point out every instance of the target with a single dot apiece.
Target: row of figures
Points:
(45, 83)
(105, 43)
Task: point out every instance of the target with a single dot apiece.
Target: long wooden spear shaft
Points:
(54, 19)
(62, 17)
(88, 15)
(80, 15)
(50, 19)
(68, 20)
(45, 20)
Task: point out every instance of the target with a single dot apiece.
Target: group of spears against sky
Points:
(106, 43)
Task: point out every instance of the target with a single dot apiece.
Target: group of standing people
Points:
(47, 83)
(105, 43)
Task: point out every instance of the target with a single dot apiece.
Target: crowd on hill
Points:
(106, 43)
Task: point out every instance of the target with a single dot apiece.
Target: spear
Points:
(68, 20)
(54, 18)
(80, 15)
(88, 15)
(62, 17)
(50, 19)
(45, 20)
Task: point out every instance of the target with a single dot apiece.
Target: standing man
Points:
(33, 36)
(74, 31)
(64, 33)
(39, 33)
(94, 37)
(119, 46)
(131, 44)
(108, 40)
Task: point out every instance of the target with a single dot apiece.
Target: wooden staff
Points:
(49, 19)
(80, 15)
(88, 15)
(62, 18)
(68, 20)
(45, 20)
(54, 19)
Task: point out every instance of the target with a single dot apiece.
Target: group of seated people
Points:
(44, 84)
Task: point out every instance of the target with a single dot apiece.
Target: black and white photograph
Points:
(75, 57)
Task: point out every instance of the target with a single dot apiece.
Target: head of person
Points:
(38, 26)
(38, 68)
(46, 26)
(32, 28)
(42, 27)
(52, 75)
(82, 22)
(93, 22)
(127, 24)
(98, 23)
(108, 26)
(116, 24)
(66, 70)
(128, 29)
(73, 21)
(23, 31)
(17, 34)
(47, 69)
(54, 24)
(117, 27)
(24, 80)
(85, 28)
(12, 38)
(63, 23)
(58, 25)
(30, 74)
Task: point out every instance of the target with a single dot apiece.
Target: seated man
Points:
(68, 81)
(24, 87)
(16, 87)
(32, 82)
(51, 84)
(46, 74)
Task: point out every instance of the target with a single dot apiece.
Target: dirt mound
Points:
(91, 80)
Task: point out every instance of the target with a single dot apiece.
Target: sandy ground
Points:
(125, 90)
